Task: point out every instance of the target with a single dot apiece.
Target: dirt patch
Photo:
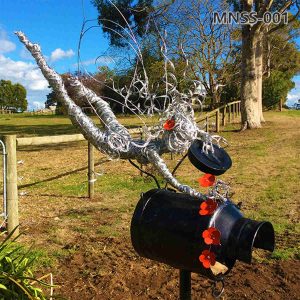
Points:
(114, 271)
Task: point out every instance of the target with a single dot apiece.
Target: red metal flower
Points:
(211, 236)
(207, 180)
(207, 258)
(169, 125)
(208, 207)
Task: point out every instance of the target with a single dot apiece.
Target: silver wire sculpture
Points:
(114, 139)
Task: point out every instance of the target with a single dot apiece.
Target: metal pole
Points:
(141, 165)
(184, 285)
(91, 170)
(10, 142)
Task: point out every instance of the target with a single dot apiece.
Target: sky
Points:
(56, 26)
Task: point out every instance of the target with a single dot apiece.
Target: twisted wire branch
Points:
(115, 139)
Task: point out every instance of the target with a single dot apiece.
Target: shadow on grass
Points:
(38, 130)
(64, 196)
(231, 130)
(58, 147)
(62, 175)
(45, 130)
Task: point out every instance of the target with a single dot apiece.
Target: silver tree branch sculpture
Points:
(114, 139)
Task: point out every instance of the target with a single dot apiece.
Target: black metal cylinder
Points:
(166, 227)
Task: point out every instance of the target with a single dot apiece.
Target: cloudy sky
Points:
(294, 94)
(56, 26)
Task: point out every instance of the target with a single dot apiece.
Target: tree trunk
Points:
(249, 92)
(215, 99)
(259, 74)
(268, 60)
(280, 104)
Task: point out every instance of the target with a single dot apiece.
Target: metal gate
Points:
(4, 210)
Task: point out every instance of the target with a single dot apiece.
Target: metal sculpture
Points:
(189, 222)
(115, 140)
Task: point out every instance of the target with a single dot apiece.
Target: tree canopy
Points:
(276, 88)
(183, 31)
(12, 96)
(115, 17)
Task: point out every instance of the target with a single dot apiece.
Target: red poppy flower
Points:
(169, 125)
(208, 207)
(207, 180)
(211, 236)
(207, 258)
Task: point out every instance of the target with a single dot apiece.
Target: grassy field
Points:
(42, 125)
(56, 215)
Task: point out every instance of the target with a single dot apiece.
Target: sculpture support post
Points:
(185, 285)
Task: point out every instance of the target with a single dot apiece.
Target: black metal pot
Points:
(166, 227)
(216, 161)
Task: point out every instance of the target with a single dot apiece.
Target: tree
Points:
(20, 102)
(98, 82)
(209, 47)
(281, 51)
(191, 35)
(252, 56)
(6, 93)
(12, 96)
(282, 63)
(114, 18)
(276, 88)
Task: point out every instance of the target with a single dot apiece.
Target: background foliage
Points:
(12, 96)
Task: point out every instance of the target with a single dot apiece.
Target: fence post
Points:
(233, 112)
(236, 109)
(229, 114)
(224, 116)
(218, 120)
(206, 125)
(10, 142)
(91, 170)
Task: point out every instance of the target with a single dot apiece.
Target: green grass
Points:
(291, 113)
(25, 124)
(40, 256)
(287, 253)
